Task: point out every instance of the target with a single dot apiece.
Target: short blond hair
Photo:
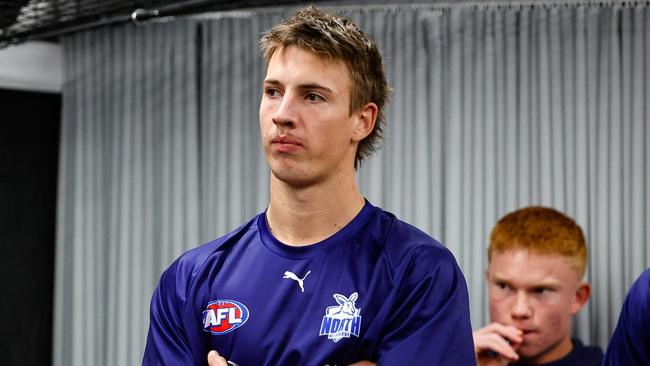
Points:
(339, 38)
(541, 230)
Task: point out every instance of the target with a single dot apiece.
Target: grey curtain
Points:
(493, 108)
(129, 198)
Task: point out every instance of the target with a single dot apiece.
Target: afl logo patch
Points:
(224, 316)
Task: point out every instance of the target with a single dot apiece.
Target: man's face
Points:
(307, 130)
(538, 294)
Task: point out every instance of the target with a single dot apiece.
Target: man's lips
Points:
(285, 140)
(285, 144)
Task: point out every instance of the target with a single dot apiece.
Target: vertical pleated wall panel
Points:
(493, 108)
(235, 176)
(128, 199)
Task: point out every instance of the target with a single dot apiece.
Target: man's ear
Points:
(582, 294)
(364, 121)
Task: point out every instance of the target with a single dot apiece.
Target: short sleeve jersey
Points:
(379, 289)
(630, 344)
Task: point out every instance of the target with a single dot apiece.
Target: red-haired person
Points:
(536, 263)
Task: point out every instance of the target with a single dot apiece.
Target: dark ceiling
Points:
(23, 20)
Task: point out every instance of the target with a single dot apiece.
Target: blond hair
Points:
(339, 38)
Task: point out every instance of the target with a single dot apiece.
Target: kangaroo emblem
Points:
(301, 281)
(343, 320)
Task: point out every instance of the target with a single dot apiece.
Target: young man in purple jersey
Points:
(537, 260)
(630, 343)
(322, 277)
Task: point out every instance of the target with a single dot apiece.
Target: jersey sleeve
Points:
(630, 344)
(430, 322)
(167, 343)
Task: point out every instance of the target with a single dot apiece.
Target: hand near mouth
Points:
(496, 344)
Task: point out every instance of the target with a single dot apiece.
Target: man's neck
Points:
(307, 215)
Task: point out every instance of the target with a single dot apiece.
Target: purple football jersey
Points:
(630, 343)
(378, 290)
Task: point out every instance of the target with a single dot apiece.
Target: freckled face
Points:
(305, 120)
(537, 294)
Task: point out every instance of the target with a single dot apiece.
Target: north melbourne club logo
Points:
(224, 316)
(343, 320)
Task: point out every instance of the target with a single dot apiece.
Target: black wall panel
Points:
(29, 142)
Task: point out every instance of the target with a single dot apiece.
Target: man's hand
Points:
(214, 359)
(496, 344)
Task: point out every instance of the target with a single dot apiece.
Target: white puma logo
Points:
(292, 276)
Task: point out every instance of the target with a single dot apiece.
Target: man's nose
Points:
(521, 309)
(286, 114)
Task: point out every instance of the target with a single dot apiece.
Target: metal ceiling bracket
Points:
(141, 15)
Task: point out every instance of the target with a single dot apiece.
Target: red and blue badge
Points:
(224, 316)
